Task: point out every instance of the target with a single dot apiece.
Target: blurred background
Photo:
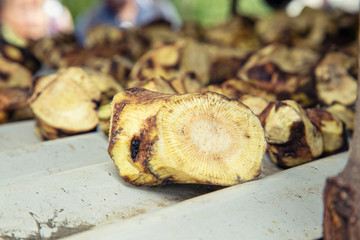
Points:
(212, 12)
(204, 12)
(22, 20)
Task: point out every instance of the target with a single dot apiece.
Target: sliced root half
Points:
(201, 138)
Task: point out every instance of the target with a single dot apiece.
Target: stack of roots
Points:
(200, 105)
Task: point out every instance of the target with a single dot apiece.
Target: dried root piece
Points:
(311, 29)
(82, 78)
(20, 114)
(66, 104)
(344, 114)
(104, 113)
(40, 83)
(106, 40)
(59, 51)
(14, 105)
(14, 75)
(100, 87)
(238, 33)
(156, 84)
(283, 71)
(334, 83)
(116, 66)
(13, 98)
(255, 103)
(3, 116)
(202, 138)
(105, 83)
(333, 130)
(192, 30)
(173, 60)
(20, 55)
(273, 27)
(175, 85)
(15, 85)
(256, 99)
(214, 88)
(101, 35)
(158, 32)
(351, 49)
(292, 138)
(225, 62)
(235, 88)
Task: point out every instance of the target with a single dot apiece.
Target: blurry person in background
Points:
(24, 20)
(126, 14)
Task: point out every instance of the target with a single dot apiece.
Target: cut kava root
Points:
(203, 138)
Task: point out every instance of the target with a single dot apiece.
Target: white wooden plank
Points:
(68, 202)
(49, 157)
(286, 205)
(18, 134)
(56, 188)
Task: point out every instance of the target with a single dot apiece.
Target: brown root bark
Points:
(342, 209)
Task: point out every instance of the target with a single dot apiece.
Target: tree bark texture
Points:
(342, 192)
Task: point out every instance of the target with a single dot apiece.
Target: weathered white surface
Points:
(50, 157)
(17, 134)
(79, 198)
(55, 188)
(286, 205)
(60, 187)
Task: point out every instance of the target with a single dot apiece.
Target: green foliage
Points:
(77, 6)
(204, 12)
(256, 8)
(212, 12)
